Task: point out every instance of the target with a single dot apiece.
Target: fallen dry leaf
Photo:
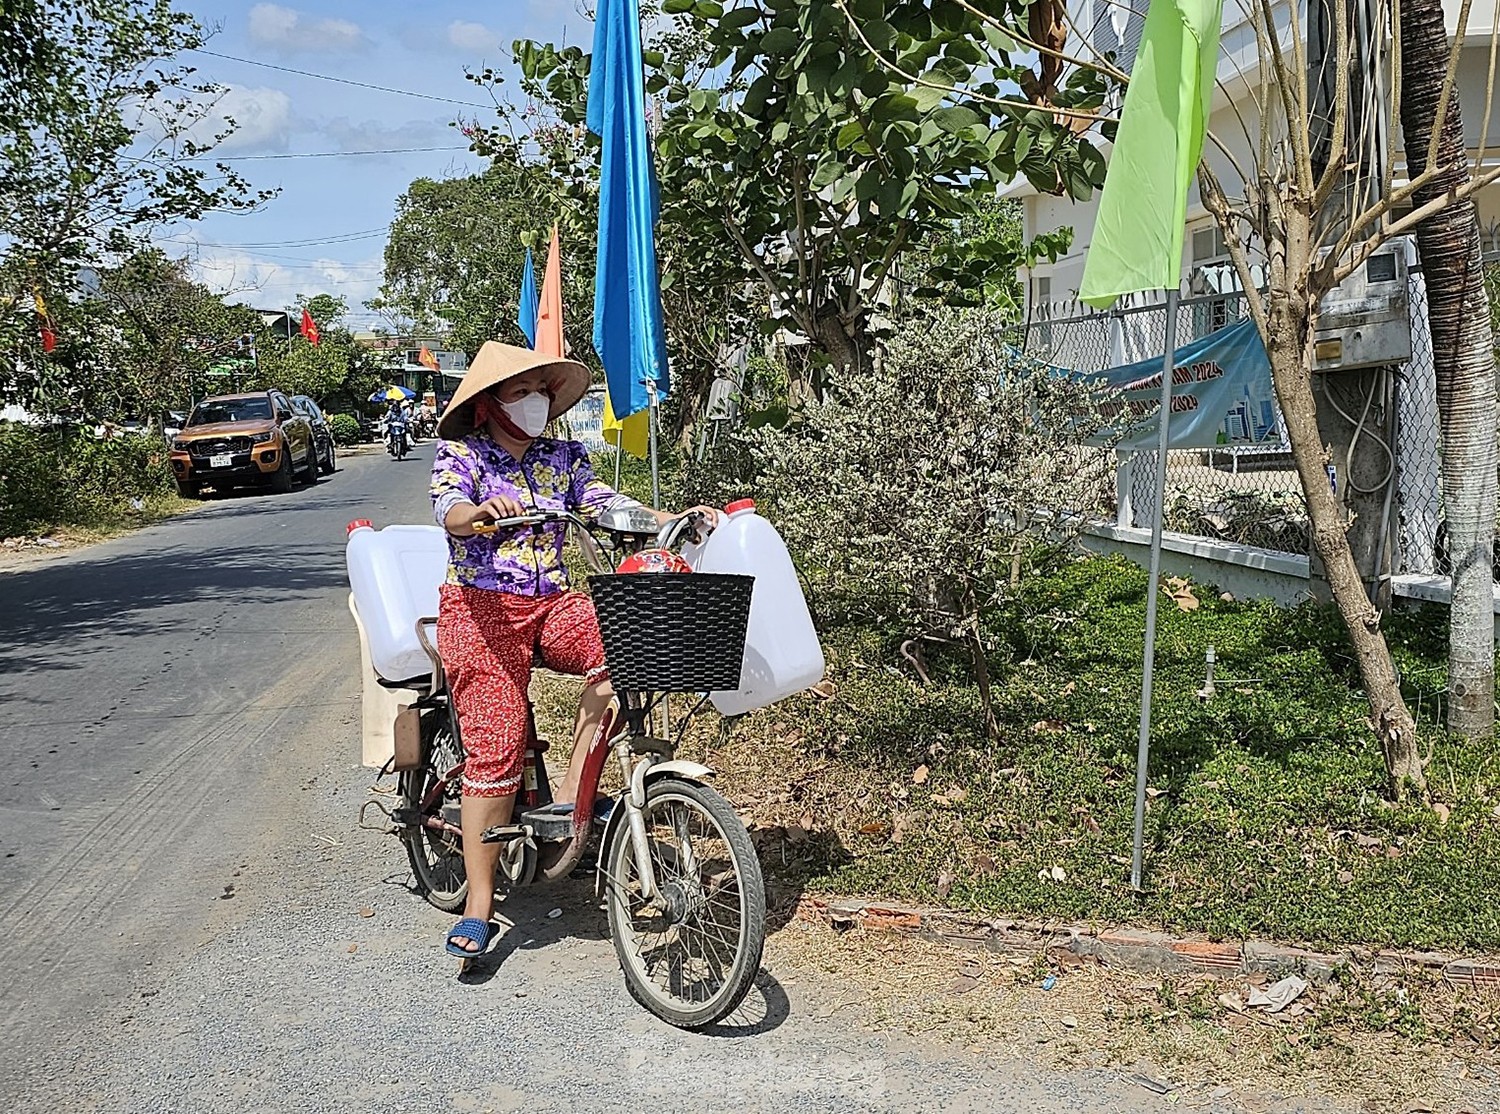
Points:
(958, 795)
(985, 864)
(1443, 812)
(1232, 1002)
(367, 912)
(1048, 727)
(919, 775)
(353, 948)
(873, 828)
(1345, 877)
(825, 689)
(945, 883)
(1393, 852)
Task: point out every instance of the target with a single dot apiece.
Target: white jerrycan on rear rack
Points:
(782, 654)
(395, 574)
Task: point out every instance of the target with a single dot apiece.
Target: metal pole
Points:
(619, 455)
(1143, 748)
(652, 422)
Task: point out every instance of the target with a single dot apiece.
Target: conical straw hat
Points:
(567, 380)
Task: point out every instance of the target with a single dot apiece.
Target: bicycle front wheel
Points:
(690, 953)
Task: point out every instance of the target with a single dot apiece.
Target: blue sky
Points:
(262, 258)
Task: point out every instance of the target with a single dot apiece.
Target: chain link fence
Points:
(1247, 494)
(1250, 494)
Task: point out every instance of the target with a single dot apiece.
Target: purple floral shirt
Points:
(551, 475)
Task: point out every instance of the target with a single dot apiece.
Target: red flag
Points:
(44, 322)
(309, 328)
(427, 359)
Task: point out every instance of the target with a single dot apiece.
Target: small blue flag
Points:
(529, 306)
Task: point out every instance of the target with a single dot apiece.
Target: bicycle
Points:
(682, 886)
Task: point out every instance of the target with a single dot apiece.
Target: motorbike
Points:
(396, 441)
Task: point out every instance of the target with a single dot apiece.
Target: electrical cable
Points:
(1359, 431)
(322, 154)
(341, 80)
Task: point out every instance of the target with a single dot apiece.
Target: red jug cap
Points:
(740, 505)
(358, 524)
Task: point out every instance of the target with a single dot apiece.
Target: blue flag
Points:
(528, 306)
(628, 331)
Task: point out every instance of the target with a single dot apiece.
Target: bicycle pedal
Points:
(504, 833)
(549, 825)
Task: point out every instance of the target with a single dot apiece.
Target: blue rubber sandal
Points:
(470, 928)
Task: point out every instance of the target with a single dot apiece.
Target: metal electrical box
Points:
(1365, 321)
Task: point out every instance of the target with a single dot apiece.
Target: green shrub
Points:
(345, 429)
(66, 476)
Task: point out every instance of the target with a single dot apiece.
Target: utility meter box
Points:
(1366, 320)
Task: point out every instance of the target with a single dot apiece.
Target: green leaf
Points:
(827, 173)
(927, 97)
(779, 40)
(999, 39)
(956, 119)
(848, 134)
(738, 18)
(677, 7)
(708, 9)
(754, 101)
(653, 58)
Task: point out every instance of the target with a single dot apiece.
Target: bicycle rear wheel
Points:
(436, 857)
(691, 954)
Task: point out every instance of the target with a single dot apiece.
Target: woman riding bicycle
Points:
(507, 593)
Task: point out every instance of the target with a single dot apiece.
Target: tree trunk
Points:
(1288, 322)
(1458, 315)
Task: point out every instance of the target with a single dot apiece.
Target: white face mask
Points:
(529, 413)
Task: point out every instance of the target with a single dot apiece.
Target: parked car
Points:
(256, 438)
(322, 432)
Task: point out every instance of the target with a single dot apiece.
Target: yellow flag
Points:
(633, 434)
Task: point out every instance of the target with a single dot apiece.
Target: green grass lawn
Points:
(1267, 816)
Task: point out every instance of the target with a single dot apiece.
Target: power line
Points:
(333, 238)
(341, 80)
(323, 154)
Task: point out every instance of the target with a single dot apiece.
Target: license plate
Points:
(221, 460)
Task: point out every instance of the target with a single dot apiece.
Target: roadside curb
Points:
(1146, 952)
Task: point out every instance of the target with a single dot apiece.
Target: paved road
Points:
(191, 921)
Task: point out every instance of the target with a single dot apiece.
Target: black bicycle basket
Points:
(673, 632)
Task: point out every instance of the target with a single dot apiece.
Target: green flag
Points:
(1137, 242)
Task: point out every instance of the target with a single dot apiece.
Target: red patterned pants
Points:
(485, 639)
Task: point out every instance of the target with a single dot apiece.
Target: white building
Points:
(1115, 26)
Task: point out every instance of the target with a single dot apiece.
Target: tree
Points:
(1463, 350)
(454, 258)
(102, 138)
(333, 367)
(1303, 169)
(781, 139)
(145, 342)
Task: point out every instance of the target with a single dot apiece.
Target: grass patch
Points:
(1267, 816)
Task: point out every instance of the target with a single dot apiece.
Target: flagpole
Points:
(1143, 746)
(651, 434)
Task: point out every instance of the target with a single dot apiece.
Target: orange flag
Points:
(427, 359)
(549, 322)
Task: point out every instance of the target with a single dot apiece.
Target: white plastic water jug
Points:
(782, 655)
(395, 574)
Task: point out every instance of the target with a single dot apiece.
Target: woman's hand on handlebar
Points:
(710, 513)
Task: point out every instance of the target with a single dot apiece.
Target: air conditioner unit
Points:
(1365, 321)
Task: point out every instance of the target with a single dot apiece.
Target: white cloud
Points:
(262, 120)
(267, 284)
(473, 38)
(290, 31)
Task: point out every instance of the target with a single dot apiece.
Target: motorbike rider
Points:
(395, 421)
(508, 593)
